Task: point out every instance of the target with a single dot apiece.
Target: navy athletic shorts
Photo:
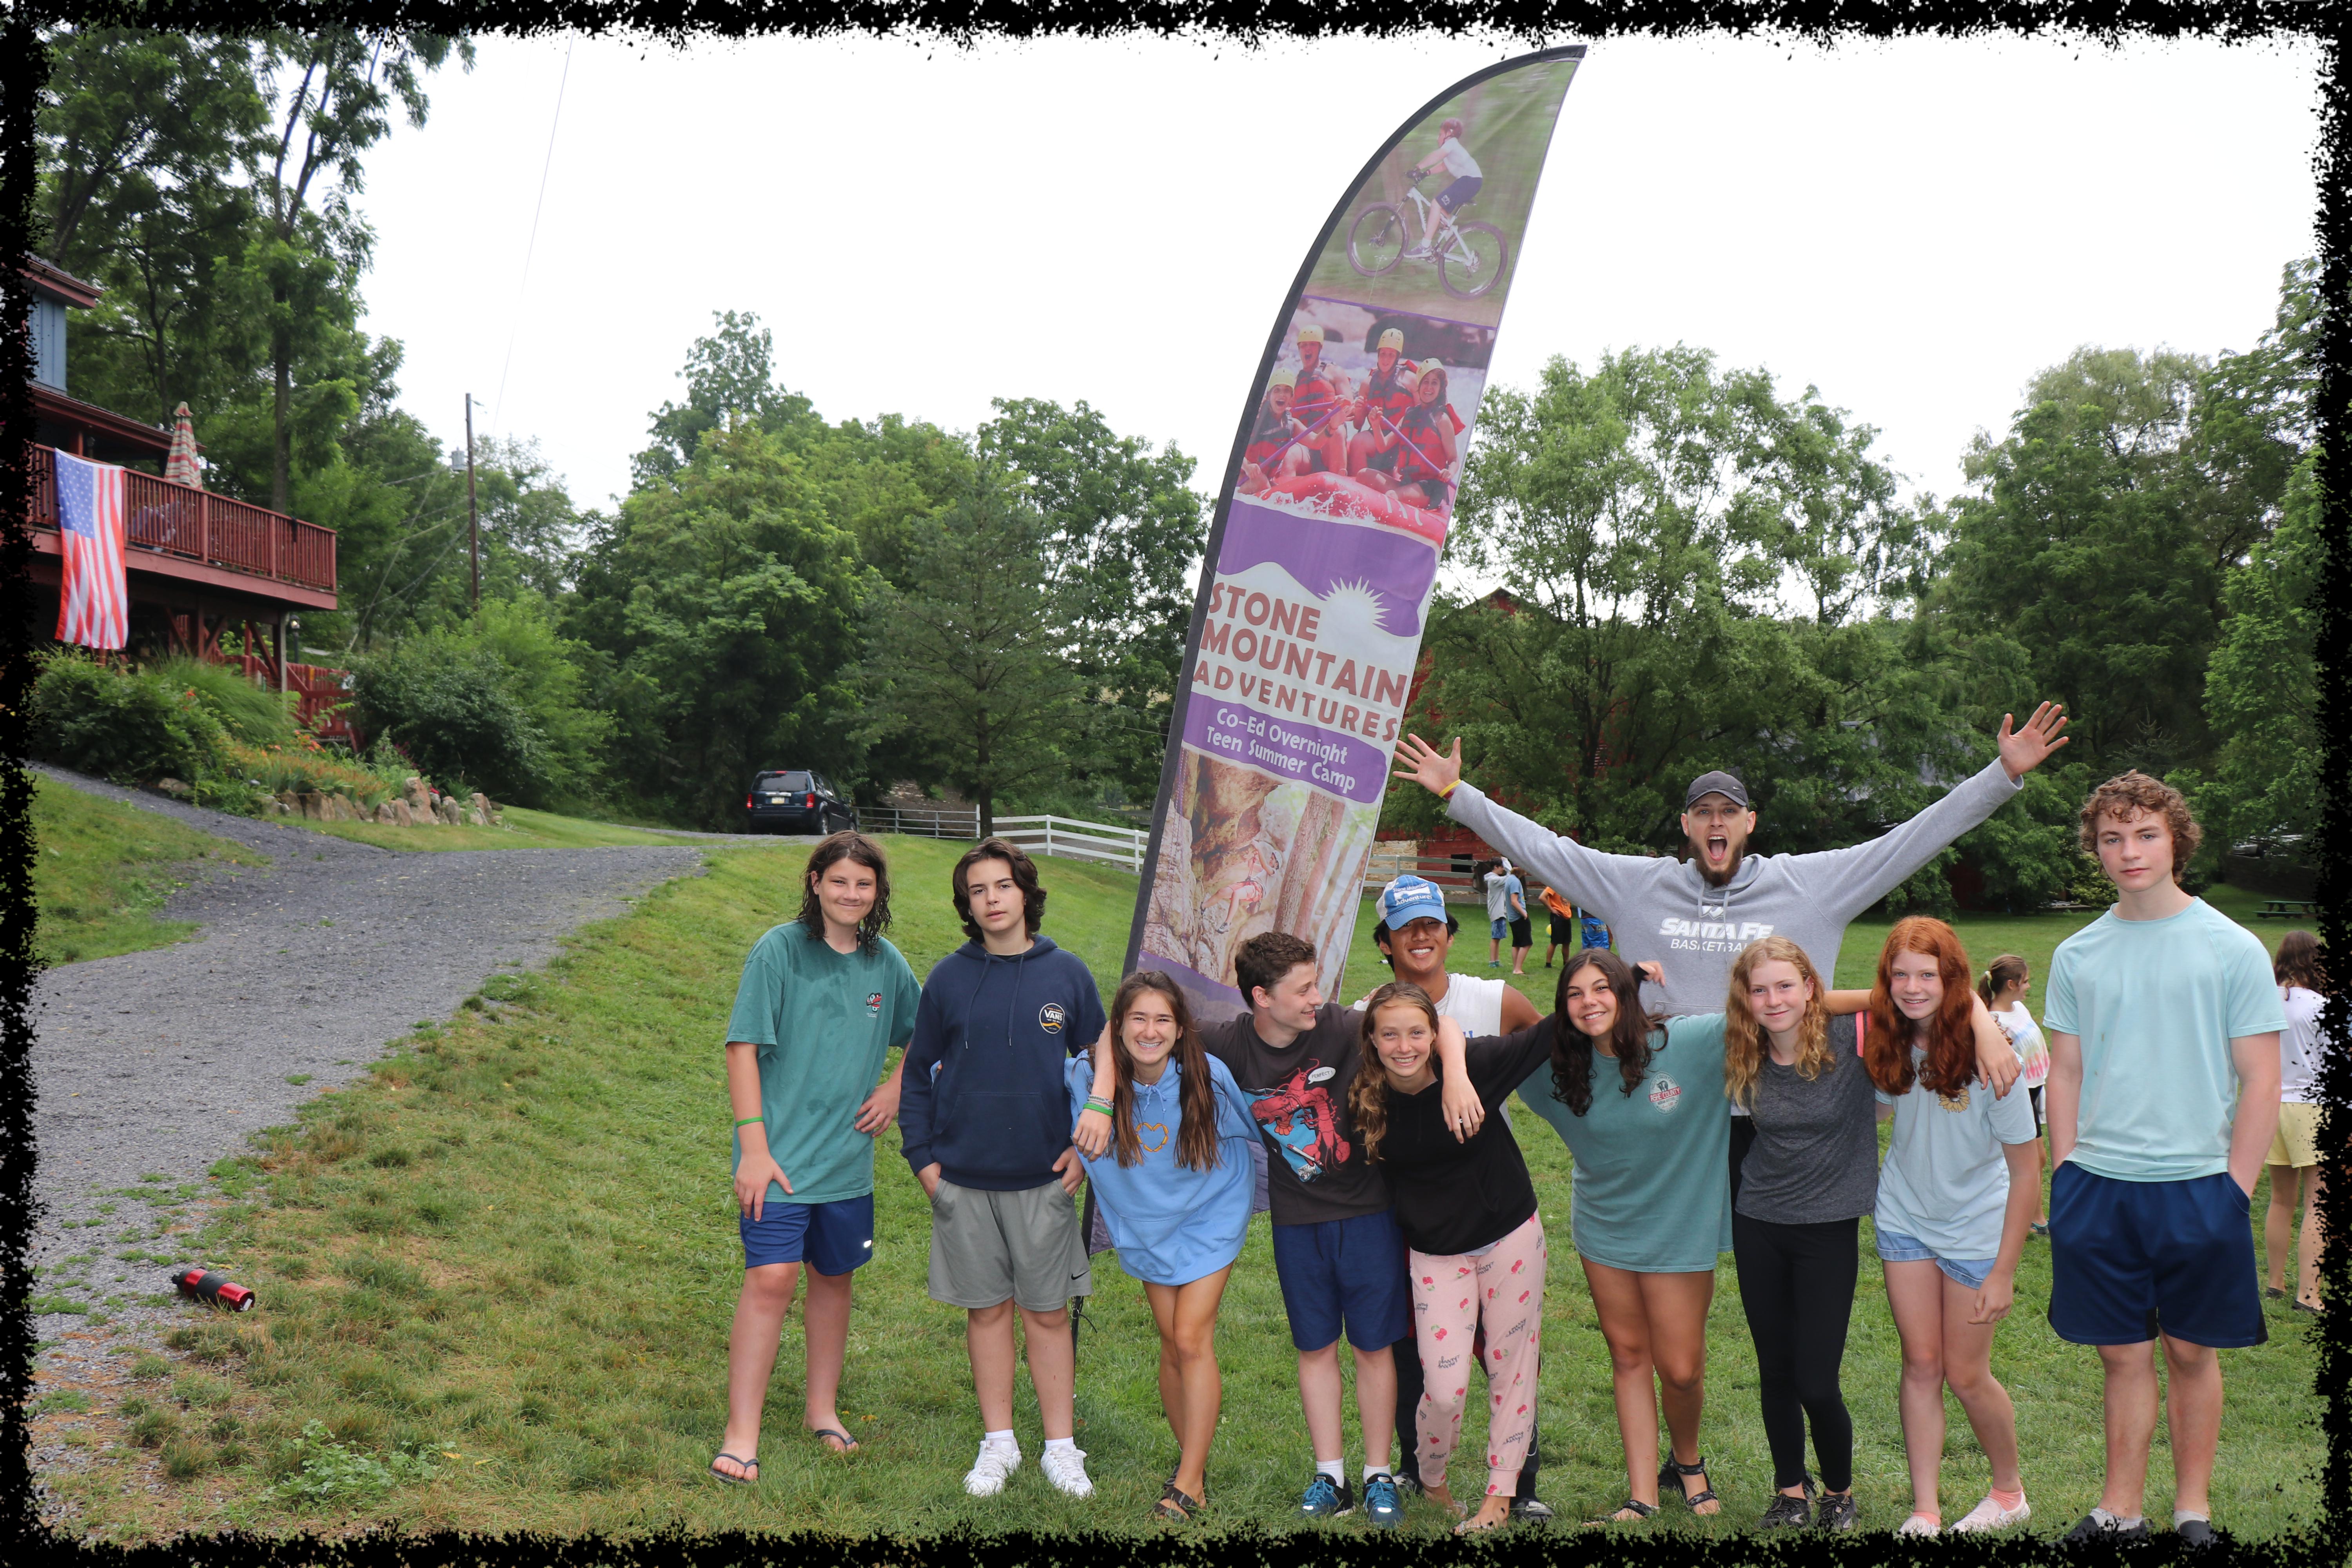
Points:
(832, 1238)
(2129, 1260)
(1344, 1272)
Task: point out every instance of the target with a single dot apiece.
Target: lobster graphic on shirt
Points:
(1298, 1116)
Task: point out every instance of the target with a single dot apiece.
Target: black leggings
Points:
(1796, 1284)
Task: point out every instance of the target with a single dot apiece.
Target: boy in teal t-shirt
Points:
(2162, 1097)
(823, 1001)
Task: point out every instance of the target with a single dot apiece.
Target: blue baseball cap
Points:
(1411, 898)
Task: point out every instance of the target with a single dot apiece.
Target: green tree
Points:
(729, 378)
(968, 660)
(2261, 692)
(1121, 540)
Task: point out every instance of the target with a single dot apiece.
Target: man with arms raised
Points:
(2160, 1013)
(983, 1120)
(1694, 916)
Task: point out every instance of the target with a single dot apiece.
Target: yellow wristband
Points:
(1447, 792)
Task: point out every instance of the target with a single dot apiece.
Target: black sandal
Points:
(1175, 1505)
(1670, 1479)
(1640, 1510)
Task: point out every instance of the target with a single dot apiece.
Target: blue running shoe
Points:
(1325, 1499)
(1382, 1507)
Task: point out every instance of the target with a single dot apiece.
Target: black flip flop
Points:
(848, 1442)
(1670, 1479)
(750, 1465)
(1176, 1505)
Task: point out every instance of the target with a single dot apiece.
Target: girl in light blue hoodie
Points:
(1174, 1190)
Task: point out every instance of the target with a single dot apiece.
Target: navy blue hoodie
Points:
(997, 1028)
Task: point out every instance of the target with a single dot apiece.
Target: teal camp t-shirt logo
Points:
(1664, 1092)
(874, 1005)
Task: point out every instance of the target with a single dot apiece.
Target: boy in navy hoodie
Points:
(984, 1120)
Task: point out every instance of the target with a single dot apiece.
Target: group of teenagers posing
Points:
(1733, 1109)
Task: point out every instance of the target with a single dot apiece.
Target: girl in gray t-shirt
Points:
(1954, 1201)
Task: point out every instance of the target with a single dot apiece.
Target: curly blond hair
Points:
(1745, 1044)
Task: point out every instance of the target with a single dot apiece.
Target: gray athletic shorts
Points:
(987, 1246)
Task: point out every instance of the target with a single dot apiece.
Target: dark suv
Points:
(796, 801)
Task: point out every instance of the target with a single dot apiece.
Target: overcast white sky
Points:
(1912, 227)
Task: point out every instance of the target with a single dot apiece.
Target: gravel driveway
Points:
(158, 1064)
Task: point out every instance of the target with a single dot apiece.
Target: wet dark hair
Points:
(1629, 1037)
(1265, 958)
(847, 845)
(1024, 877)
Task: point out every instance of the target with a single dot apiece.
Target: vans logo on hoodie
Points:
(1050, 1018)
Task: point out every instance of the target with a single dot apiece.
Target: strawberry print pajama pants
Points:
(1502, 1291)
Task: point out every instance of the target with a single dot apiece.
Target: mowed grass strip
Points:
(512, 1252)
(101, 869)
(524, 829)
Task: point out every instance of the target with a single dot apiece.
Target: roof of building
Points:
(55, 282)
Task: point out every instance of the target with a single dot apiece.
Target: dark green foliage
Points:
(121, 723)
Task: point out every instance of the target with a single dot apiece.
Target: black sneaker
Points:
(1530, 1510)
(2092, 1528)
(1836, 1511)
(1785, 1510)
(2195, 1533)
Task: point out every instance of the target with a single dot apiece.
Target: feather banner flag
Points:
(93, 599)
(1329, 525)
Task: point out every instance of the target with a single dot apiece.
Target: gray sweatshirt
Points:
(1662, 908)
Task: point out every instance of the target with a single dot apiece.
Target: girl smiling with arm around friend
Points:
(1467, 1209)
(1954, 1201)
(1174, 1190)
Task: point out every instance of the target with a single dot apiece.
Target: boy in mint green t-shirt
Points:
(823, 1001)
(2162, 1096)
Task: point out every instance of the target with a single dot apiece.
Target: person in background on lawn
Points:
(1337, 1248)
(2294, 1150)
(1561, 917)
(823, 1001)
(2160, 1013)
(1416, 936)
(1507, 910)
(1695, 915)
(1174, 1192)
(1954, 1201)
(1467, 1209)
(2002, 989)
(983, 1121)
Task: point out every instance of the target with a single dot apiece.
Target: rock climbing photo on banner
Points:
(1331, 524)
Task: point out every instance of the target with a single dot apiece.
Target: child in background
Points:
(2002, 990)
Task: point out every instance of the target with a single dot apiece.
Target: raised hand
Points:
(2023, 751)
(1431, 769)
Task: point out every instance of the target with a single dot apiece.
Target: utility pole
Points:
(473, 521)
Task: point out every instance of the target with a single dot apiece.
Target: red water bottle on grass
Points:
(213, 1287)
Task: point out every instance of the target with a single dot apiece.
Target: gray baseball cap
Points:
(1719, 783)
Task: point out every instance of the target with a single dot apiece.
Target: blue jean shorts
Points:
(1502, 928)
(831, 1238)
(1894, 1247)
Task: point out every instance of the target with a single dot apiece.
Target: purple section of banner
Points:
(1321, 555)
(1332, 760)
(1212, 1002)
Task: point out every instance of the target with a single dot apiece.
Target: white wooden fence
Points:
(1074, 840)
(922, 822)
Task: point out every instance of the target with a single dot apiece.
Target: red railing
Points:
(166, 518)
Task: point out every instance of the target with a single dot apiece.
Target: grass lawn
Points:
(103, 867)
(510, 1254)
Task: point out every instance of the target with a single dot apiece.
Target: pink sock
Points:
(2008, 1500)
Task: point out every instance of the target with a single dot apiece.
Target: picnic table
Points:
(2284, 909)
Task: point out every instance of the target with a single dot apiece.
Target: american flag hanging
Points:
(94, 601)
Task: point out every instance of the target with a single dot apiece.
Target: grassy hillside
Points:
(510, 1256)
(103, 867)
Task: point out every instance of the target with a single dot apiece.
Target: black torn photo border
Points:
(1512, 25)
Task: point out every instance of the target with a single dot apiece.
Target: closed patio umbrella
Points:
(180, 467)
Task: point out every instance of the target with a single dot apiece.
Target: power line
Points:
(532, 245)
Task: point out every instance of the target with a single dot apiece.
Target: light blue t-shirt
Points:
(1945, 1180)
(1651, 1187)
(2156, 1004)
(1515, 899)
(1173, 1224)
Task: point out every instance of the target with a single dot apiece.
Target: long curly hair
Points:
(2300, 962)
(1948, 1034)
(1744, 1043)
(1367, 1097)
(1196, 1099)
(846, 845)
(1629, 1037)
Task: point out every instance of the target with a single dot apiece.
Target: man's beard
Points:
(1716, 878)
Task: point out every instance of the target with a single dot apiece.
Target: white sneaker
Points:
(1066, 1469)
(1917, 1524)
(987, 1476)
(1990, 1515)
